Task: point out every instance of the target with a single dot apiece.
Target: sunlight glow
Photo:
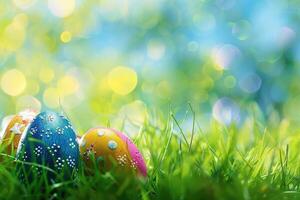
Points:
(51, 97)
(68, 85)
(13, 82)
(122, 80)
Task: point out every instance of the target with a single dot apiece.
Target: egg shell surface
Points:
(50, 141)
(135, 154)
(14, 128)
(104, 145)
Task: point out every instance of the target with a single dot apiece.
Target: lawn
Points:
(250, 161)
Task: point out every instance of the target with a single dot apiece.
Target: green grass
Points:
(252, 161)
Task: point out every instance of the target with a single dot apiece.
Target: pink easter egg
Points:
(135, 154)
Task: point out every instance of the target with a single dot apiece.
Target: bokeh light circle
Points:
(61, 8)
(135, 111)
(13, 82)
(24, 4)
(122, 80)
(226, 111)
(156, 50)
(46, 74)
(51, 97)
(225, 55)
(13, 36)
(68, 85)
(66, 36)
(241, 29)
(230, 82)
(250, 83)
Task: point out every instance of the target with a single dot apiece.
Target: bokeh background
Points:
(123, 62)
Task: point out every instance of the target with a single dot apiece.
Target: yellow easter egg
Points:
(13, 129)
(105, 147)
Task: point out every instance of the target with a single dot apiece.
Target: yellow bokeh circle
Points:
(51, 97)
(14, 34)
(122, 80)
(46, 74)
(68, 85)
(66, 36)
(13, 82)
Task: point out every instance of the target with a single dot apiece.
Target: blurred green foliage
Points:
(110, 62)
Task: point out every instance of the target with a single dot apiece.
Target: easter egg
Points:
(13, 128)
(48, 143)
(106, 146)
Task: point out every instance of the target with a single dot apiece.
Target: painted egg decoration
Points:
(107, 146)
(13, 128)
(50, 141)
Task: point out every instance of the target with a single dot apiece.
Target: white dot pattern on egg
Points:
(72, 143)
(38, 151)
(122, 159)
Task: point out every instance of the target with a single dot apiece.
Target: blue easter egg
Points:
(48, 147)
